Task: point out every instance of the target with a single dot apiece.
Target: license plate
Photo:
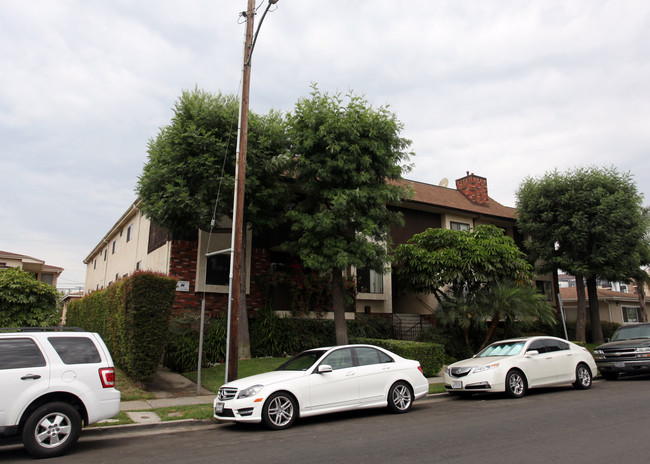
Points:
(619, 364)
(218, 408)
(457, 384)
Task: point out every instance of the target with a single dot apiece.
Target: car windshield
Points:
(302, 362)
(631, 331)
(502, 349)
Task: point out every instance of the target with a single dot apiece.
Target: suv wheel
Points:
(51, 430)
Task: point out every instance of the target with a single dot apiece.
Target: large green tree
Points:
(588, 222)
(465, 270)
(25, 301)
(347, 155)
(191, 163)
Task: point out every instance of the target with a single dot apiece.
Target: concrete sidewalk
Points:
(170, 389)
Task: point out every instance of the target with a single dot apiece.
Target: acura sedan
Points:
(514, 366)
(321, 381)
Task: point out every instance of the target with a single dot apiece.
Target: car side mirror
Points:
(324, 369)
(532, 353)
(607, 340)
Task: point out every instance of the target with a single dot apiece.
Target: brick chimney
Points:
(474, 188)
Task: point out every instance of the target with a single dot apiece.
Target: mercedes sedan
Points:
(321, 381)
(514, 366)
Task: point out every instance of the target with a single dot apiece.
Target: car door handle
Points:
(349, 374)
(30, 377)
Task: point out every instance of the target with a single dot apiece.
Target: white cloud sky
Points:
(502, 88)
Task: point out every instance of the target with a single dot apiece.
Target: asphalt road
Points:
(606, 424)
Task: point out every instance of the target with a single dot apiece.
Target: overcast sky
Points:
(501, 88)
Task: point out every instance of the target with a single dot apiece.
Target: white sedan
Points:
(321, 381)
(514, 366)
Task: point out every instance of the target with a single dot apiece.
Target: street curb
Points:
(99, 432)
(107, 430)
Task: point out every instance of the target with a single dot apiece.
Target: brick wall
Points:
(474, 188)
(182, 266)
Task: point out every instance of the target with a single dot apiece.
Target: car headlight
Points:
(448, 371)
(250, 391)
(599, 352)
(644, 349)
(485, 368)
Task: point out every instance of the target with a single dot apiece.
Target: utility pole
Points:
(238, 203)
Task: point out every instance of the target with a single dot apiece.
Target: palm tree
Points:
(511, 302)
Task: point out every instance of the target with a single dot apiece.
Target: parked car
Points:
(627, 352)
(53, 381)
(513, 366)
(320, 381)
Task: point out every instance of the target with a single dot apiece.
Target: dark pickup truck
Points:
(628, 352)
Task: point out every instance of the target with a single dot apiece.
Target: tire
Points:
(51, 430)
(610, 375)
(279, 411)
(583, 377)
(400, 397)
(515, 384)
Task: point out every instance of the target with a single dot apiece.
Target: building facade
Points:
(134, 243)
(41, 271)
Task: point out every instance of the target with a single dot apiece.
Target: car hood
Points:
(267, 378)
(622, 344)
(473, 362)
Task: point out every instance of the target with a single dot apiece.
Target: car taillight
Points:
(420, 369)
(107, 376)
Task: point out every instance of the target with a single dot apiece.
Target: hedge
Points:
(430, 355)
(132, 316)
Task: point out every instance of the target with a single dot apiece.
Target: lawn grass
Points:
(213, 377)
(129, 388)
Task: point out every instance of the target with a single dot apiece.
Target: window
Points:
(367, 356)
(458, 226)
(105, 254)
(339, 359)
(75, 350)
(555, 345)
(129, 233)
(138, 265)
(47, 278)
(369, 281)
(218, 270)
(631, 314)
(18, 353)
(114, 246)
(95, 264)
(538, 345)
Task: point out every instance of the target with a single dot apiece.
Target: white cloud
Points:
(504, 89)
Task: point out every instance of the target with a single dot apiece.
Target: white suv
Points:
(53, 381)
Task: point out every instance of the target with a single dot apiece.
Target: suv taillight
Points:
(107, 376)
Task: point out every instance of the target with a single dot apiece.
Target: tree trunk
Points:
(640, 285)
(340, 326)
(493, 327)
(581, 316)
(594, 312)
(244, 335)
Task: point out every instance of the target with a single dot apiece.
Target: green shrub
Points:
(132, 316)
(430, 355)
(25, 301)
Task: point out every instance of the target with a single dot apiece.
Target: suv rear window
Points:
(17, 353)
(75, 350)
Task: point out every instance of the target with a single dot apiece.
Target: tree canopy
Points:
(475, 275)
(25, 301)
(345, 155)
(191, 162)
(588, 222)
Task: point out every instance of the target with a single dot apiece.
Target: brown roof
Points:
(445, 197)
(569, 294)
